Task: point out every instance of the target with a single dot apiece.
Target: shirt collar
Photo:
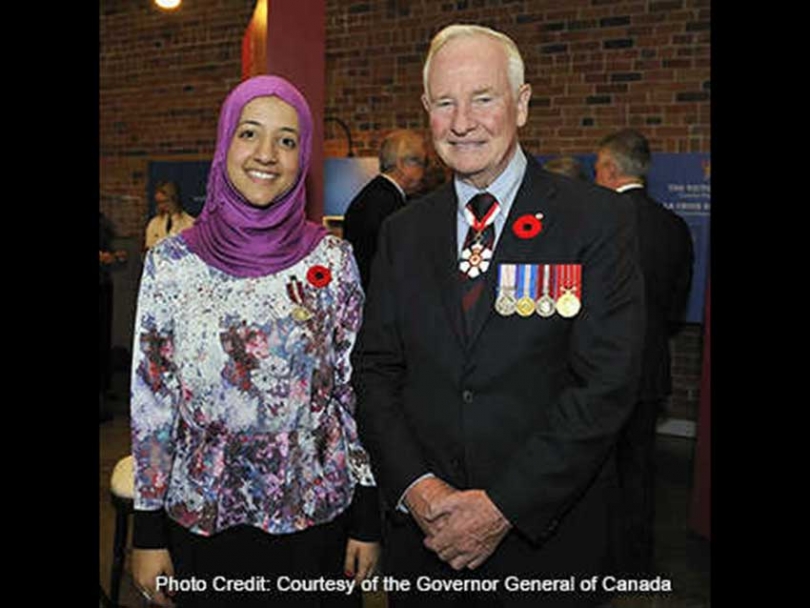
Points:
(626, 187)
(393, 181)
(504, 188)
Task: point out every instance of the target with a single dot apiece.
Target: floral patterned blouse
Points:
(242, 411)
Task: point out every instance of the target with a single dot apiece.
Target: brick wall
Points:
(594, 65)
(163, 77)
(687, 356)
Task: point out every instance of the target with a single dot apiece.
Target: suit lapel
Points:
(536, 194)
(444, 259)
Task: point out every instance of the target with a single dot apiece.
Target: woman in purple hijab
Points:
(250, 481)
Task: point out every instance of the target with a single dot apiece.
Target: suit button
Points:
(467, 396)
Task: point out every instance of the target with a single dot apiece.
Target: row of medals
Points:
(567, 305)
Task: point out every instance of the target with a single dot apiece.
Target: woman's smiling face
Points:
(263, 158)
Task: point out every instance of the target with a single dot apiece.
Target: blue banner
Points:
(343, 178)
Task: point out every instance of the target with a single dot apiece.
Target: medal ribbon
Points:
(562, 273)
(295, 290)
(526, 280)
(554, 290)
(506, 278)
(569, 280)
(489, 217)
(573, 279)
(544, 290)
(567, 277)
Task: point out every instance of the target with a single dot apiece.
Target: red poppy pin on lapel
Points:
(528, 226)
(319, 276)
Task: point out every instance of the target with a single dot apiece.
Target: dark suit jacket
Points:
(361, 224)
(665, 251)
(526, 408)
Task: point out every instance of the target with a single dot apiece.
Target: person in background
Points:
(565, 165)
(402, 166)
(500, 349)
(171, 218)
(666, 257)
(247, 458)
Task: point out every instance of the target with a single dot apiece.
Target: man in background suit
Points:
(665, 252)
(402, 167)
(500, 350)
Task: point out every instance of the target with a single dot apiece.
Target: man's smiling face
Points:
(474, 116)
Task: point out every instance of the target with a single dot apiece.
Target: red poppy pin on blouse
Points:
(319, 276)
(528, 226)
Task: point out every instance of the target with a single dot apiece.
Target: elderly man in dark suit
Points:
(665, 252)
(499, 354)
(402, 166)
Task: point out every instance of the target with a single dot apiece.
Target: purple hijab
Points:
(231, 234)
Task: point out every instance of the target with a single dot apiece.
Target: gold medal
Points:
(568, 305)
(525, 306)
(525, 281)
(301, 314)
(295, 290)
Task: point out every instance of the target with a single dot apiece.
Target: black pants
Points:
(249, 555)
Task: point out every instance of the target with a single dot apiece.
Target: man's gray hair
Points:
(630, 150)
(515, 69)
